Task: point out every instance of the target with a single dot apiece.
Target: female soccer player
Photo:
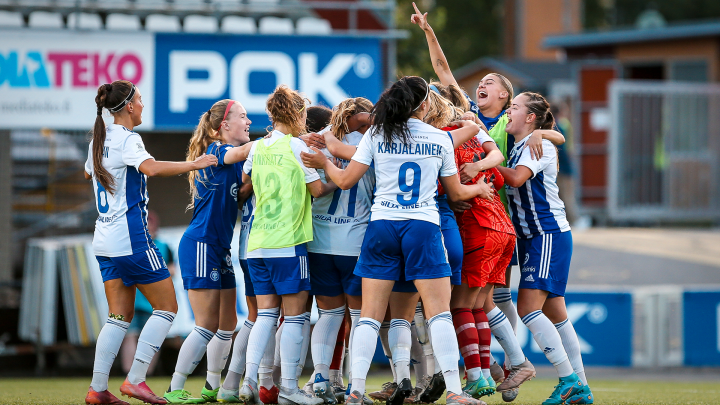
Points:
(545, 246)
(277, 252)
(403, 239)
(339, 223)
(119, 165)
(204, 251)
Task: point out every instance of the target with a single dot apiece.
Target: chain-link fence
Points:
(664, 152)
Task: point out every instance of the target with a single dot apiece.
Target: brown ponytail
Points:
(285, 106)
(205, 133)
(505, 82)
(538, 105)
(108, 96)
(346, 109)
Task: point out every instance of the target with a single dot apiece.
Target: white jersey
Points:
(535, 206)
(340, 218)
(407, 175)
(247, 214)
(297, 146)
(121, 227)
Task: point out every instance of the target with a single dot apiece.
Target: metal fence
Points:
(664, 152)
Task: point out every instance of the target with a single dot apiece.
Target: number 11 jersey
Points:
(406, 174)
(340, 218)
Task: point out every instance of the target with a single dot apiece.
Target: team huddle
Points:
(401, 219)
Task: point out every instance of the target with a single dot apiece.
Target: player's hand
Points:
(204, 161)
(314, 140)
(484, 190)
(535, 145)
(468, 171)
(459, 206)
(337, 162)
(420, 19)
(314, 160)
(470, 116)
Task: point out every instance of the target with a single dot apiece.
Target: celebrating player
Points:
(339, 223)
(277, 253)
(204, 251)
(118, 165)
(544, 247)
(403, 239)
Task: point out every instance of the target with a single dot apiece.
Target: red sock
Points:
(339, 348)
(483, 330)
(467, 336)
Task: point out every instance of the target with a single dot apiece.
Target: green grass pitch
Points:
(66, 391)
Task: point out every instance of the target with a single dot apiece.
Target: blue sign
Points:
(193, 71)
(701, 323)
(603, 323)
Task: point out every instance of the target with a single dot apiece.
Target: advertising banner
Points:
(603, 322)
(194, 71)
(50, 78)
(701, 317)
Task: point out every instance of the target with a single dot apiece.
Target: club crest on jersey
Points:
(214, 275)
(228, 260)
(234, 190)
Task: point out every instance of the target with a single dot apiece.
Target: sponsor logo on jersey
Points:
(528, 269)
(529, 278)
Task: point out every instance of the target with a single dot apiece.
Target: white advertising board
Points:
(49, 78)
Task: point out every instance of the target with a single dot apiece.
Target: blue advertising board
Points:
(193, 71)
(701, 323)
(603, 322)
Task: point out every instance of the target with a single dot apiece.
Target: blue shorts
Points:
(249, 290)
(402, 250)
(546, 262)
(138, 268)
(205, 266)
(332, 275)
(280, 275)
(454, 249)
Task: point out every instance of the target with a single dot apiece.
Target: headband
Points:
(124, 102)
(427, 93)
(227, 110)
(435, 89)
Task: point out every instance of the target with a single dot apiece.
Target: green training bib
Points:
(498, 134)
(283, 217)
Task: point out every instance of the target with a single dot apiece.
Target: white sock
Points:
(191, 352)
(473, 374)
(290, 348)
(432, 363)
(503, 300)
(324, 336)
(384, 330)
(276, 359)
(265, 371)
(400, 341)
(151, 338)
(305, 344)
(362, 351)
(446, 349)
(354, 318)
(218, 351)
(486, 373)
(548, 338)
(503, 332)
(417, 358)
(237, 363)
(258, 340)
(106, 348)
(572, 347)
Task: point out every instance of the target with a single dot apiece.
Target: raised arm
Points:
(437, 57)
(154, 168)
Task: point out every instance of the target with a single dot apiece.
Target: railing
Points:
(664, 152)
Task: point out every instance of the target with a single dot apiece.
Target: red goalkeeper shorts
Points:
(487, 255)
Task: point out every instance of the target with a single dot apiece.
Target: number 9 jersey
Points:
(121, 227)
(406, 175)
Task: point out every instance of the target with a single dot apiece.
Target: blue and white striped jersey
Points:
(535, 207)
(121, 227)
